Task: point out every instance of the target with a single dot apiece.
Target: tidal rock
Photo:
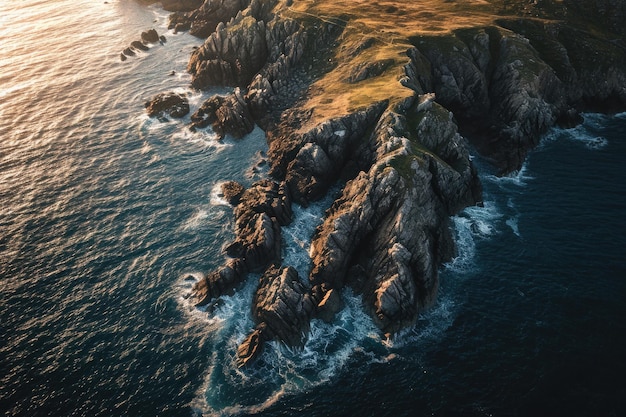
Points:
(139, 45)
(282, 308)
(232, 192)
(217, 283)
(328, 302)
(173, 104)
(262, 209)
(227, 114)
(252, 346)
(150, 36)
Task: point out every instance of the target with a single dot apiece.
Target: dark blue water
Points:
(104, 212)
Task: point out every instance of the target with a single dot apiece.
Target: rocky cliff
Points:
(383, 99)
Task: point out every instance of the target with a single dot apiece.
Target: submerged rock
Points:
(173, 104)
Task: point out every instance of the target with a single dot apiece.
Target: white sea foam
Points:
(203, 138)
(513, 224)
(585, 133)
(472, 224)
(196, 220)
(430, 327)
(281, 370)
(217, 197)
(297, 235)
(518, 178)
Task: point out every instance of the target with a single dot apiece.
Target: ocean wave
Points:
(281, 371)
(587, 133)
(470, 225)
(519, 178)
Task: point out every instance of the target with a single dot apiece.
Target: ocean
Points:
(107, 217)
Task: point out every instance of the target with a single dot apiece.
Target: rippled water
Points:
(104, 214)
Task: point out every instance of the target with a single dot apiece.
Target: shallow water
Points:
(105, 213)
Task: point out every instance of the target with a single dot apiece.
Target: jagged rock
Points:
(282, 307)
(283, 303)
(391, 220)
(174, 104)
(231, 55)
(262, 209)
(227, 114)
(204, 18)
(139, 45)
(312, 161)
(217, 283)
(329, 302)
(150, 36)
(251, 347)
(232, 192)
(406, 166)
(507, 85)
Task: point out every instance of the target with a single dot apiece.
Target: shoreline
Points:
(341, 105)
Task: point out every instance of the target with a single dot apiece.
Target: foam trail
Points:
(217, 197)
(297, 235)
(518, 178)
(470, 225)
(280, 370)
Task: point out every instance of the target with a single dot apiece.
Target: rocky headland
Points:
(383, 98)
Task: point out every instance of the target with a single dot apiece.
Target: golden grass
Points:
(391, 24)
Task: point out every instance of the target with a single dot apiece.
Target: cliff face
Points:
(345, 97)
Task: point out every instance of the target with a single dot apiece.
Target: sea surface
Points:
(107, 217)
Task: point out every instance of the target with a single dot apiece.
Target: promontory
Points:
(383, 100)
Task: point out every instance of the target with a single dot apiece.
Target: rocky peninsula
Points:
(383, 98)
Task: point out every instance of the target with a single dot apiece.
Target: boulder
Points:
(150, 36)
(232, 192)
(139, 45)
(174, 104)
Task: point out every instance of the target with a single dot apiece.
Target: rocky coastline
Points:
(390, 116)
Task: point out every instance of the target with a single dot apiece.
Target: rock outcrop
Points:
(147, 37)
(388, 232)
(508, 84)
(261, 210)
(282, 309)
(203, 20)
(226, 114)
(170, 103)
(174, 104)
(313, 81)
